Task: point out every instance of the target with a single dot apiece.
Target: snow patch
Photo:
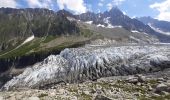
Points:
(106, 20)
(136, 39)
(135, 31)
(109, 25)
(158, 30)
(100, 25)
(28, 39)
(71, 19)
(89, 22)
(117, 26)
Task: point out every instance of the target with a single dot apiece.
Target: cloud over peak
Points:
(78, 6)
(40, 3)
(163, 8)
(8, 3)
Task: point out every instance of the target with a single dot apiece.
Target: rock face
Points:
(18, 24)
(93, 62)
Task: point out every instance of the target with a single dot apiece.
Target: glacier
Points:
(75, 65)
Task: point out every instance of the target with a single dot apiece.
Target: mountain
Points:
(158, 25)
(18, 24)
(116, 18)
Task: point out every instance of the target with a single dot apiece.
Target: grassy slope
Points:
(47, 44)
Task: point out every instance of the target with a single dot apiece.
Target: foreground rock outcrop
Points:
(91, 63)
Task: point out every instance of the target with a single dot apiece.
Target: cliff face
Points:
(18, 24)
(93, 62)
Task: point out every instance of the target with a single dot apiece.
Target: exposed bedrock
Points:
(91, 63)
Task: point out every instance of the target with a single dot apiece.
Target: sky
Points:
(159, 9)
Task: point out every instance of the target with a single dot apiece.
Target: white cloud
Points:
(114, 3)
(163, 8)
(8, 3)
(77, 6)
(109, 6)
(100, 4)
(118, 2)
(40, 3)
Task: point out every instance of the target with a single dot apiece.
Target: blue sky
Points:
(159, 9)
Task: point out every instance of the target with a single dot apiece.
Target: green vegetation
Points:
(42, 95)
(24, 49)
(73, 90)
(49, 38)
(160, 97)
(86, 32)
(105, 85)
(37, 46)
(86, 97)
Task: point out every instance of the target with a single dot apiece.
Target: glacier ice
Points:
(93, 62)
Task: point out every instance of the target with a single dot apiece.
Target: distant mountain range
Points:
(116, 18)
(159, 26)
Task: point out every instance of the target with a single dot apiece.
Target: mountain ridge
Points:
(115, 17)
(155, 23)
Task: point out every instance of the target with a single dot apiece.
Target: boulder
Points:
(33, 98)
(161, 87)
(101, 97)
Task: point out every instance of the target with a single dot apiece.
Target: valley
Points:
(48, 55)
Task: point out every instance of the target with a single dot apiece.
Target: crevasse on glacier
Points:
(91, 63)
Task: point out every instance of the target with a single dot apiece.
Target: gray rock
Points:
(161, 87)
(141, 78)
(1, 98)
(101, 97)
(33, 98)
(150, 88)
(133, 80)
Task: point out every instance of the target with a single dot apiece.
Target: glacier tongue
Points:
(90, 63)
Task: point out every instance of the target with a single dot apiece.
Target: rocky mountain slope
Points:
(18, 24)
(160, 26)
(116, 18)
